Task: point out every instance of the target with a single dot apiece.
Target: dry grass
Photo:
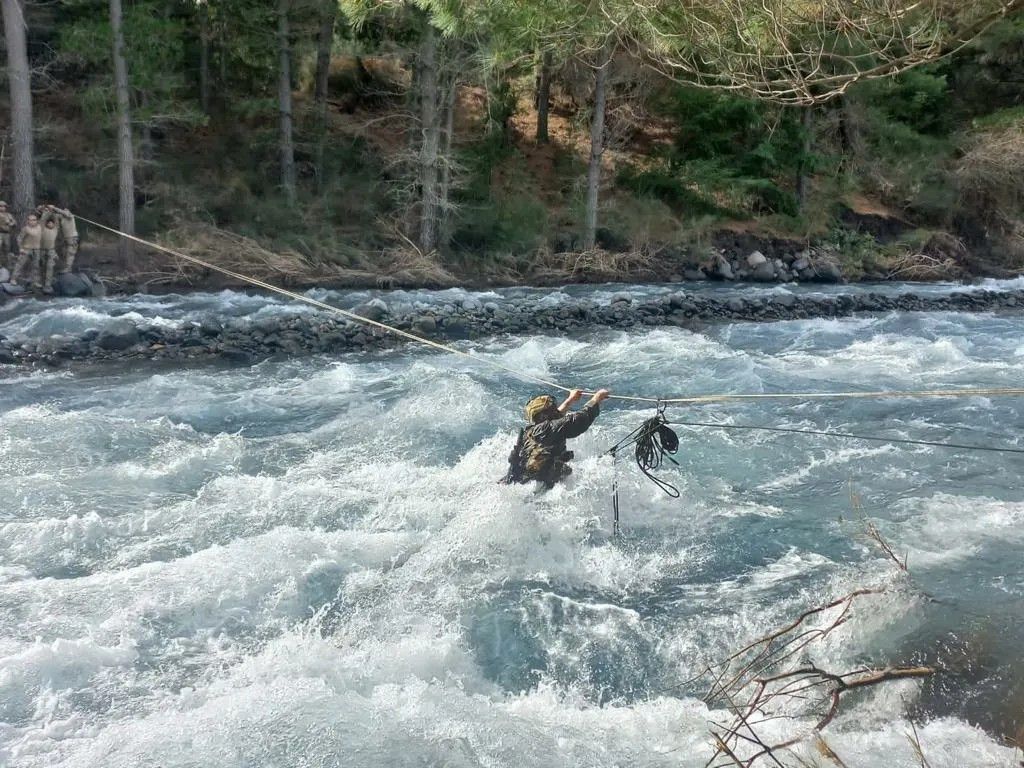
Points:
(244, 255)
(990, 181)
(923, 267)
(594, 264)
(247, 256)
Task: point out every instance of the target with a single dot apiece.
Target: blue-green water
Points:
(309, 563)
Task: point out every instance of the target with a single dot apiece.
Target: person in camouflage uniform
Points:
(69, 234)
(7, 223)
(540, 453)
(29, 239)
(48, 248)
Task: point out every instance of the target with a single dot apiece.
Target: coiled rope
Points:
(688, 399)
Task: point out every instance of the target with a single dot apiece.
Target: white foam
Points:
(308, 563)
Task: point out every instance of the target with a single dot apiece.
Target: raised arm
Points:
(575, 424)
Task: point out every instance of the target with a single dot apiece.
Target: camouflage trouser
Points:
(32, 259)
(5, 249)
(70, 251)
(49, 258)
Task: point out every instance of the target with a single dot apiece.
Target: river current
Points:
(308, 562)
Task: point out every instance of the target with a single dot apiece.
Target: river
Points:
(308, 562)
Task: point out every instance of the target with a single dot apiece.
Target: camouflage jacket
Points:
(66, 222)
(29, 237)
(543, 454)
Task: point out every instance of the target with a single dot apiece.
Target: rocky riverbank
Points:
(245, 341)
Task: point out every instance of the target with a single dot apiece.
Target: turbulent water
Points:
(308, 562)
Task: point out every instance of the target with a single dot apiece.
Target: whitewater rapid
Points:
(308, 562)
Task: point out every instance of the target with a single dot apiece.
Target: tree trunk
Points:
(806, 120)
(222, 51)
(430, 126)
(447, 131)
(284, 103)
(125, 151)
(204, 57)
(543, 98)
(596, 150)
(19, 80)
(323, 68)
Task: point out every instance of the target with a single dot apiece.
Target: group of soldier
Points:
(36, 244)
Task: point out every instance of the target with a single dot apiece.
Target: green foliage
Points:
(516, 224)
(729, 154)
(858, 252)
(919, 100)
(509, 220)
(154, 52)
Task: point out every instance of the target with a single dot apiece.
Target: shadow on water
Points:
(979, 669)
(524, 633)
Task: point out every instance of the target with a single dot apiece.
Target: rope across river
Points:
(684, 399)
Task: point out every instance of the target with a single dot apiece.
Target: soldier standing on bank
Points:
(48, 248)
(29, 240)
(7, 223)
(69, 234)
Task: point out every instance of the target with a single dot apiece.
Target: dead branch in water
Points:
(773, 678)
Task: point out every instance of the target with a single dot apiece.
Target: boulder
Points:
(5, 276)
(724, 268)
(756, 259)
(828, 272)
(120, 335)
(621, 298)
(801, 264)
(695, 274)
(72, 284)
(736, 304)
(7, 356)
(764, 272)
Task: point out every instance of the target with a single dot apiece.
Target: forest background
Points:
(489, 141)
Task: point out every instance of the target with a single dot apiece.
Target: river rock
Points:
(12, 289)
(694, 273)
(621, 298)
(5, 276)
(425, 326)
(755, 260)
(764, 272)
(786, 300)
(828, 272)
(72, 284)
(7, 356)
(119, 335)
(210, 327)
(724, 268)
(375, 310)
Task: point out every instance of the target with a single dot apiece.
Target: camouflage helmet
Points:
(539, 407)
